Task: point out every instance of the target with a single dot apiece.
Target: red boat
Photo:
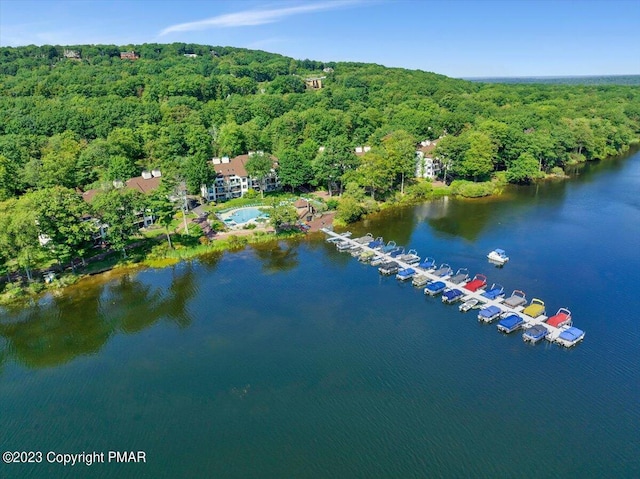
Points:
(478, 281)
(561, 318)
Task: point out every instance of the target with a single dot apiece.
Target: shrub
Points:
(469, 189)
(420, 191)
(251, 194)
(332, 204)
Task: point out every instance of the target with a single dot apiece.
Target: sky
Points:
(457, 38)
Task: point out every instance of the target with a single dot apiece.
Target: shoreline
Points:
(231, 241)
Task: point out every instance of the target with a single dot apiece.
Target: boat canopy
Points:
(452, 293)
(537, 331)
(571, 334)
(435, 285)
(511, 321)
(489, 311)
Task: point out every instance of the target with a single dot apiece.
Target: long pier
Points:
(528, 320)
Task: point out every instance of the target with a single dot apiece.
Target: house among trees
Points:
(314, 82)
(427, 165)
(72, 54)
(361, 150)
(131, 55)
(233, 181)
(146, 183)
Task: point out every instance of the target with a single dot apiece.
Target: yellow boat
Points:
(535, 308)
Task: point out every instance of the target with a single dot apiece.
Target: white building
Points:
(233, 181)
(427, 165)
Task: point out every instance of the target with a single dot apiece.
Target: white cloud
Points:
(254, 17)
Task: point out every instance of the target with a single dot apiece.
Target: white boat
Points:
(498, 256)
(468, 304)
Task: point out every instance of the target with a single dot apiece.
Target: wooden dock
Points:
(483, 302)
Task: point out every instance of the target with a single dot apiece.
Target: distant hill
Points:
(566, 80)
(84, 115)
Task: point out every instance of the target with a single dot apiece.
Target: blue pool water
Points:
(246, 214)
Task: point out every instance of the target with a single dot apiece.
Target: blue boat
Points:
(496, 291)
(377, 243)
(510, 322)
(535, 334)
(428, 264)
(434, 288)
(489, 313)
(391, 245)
(443, 270)
(570, 337)
(452, 295)
(397, 252)
(405, 274)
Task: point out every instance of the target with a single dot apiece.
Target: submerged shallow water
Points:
(295, 360)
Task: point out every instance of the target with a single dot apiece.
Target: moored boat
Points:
(461, 276)
(366, 256)
(560, 319)
(517, 299)
(390, 246)
(478, 282)
(345, 246)
(451, 295)
(498, 256)
(494, 292)
(390, 267)
(570, 337)
(535, 308)
(489, 313)
(410, 258)
(535, 333)
(443, 271)
(434, 287)
(428, 264)
(377, 243)
(510, 322)
(468, 304)
(397, 252)
(405, 274)
(377, 260)
(366, 239)
(419, 280)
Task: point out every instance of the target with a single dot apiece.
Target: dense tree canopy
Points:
(70, 124)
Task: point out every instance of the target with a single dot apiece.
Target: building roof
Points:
(236, 166)
(90, 194)
(143, 185)
(301, 203)
(427, 148)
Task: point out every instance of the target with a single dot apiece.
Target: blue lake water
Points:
(294, 360)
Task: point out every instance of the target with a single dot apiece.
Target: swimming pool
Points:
(247, 214)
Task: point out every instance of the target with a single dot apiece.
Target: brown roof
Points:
(236, 166)
(142, 185)
(301, 204)
(90, 194)
(428, 148)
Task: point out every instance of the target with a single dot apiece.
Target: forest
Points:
(74, 118)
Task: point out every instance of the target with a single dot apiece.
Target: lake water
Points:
(296, 361)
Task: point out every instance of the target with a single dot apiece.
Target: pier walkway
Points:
(483, 302)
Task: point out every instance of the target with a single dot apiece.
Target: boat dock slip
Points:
(565, 334)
